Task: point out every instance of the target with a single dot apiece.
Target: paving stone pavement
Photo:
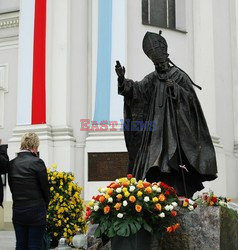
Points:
(7, 240)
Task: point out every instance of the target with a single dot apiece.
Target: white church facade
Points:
(57, 61)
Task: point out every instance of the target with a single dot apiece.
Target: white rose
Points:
(103, 190)
(110, 200)
(119, 215)
(158, 190)
(162, 215)
(171, 207)
(132, 188)
(95, 208)
(175, 204)
(118, 190)
(191, 202)
(190, 208)
(124, 203)
(154, 188)
(167, 207)
(117, 181)
(222, 203)
(146, 199)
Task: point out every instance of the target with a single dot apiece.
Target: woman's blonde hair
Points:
(30, 141)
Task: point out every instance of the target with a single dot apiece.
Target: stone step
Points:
(7, 240)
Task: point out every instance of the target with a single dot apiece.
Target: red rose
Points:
(162, 184)
(88, 213)
(129, 176)
(214, 199)
(173, 213)
(167, 193)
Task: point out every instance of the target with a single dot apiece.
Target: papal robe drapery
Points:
(151, 138)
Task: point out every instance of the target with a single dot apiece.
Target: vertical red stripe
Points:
(38, 115)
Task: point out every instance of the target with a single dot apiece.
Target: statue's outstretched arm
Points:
(120, 71)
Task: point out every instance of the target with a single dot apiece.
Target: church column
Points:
(79, 80)
(108, 41)
(59, 82)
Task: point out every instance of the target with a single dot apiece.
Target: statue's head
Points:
(155, 47)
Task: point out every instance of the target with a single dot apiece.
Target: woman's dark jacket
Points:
(28, 181)
(4, 163)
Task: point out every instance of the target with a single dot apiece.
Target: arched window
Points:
(168, 14)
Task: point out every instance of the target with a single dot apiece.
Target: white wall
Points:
(7, 6)
(9, 57)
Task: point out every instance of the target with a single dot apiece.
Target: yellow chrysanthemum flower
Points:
(139, 193)
(127, 194)
(155, 199)
(54, 165)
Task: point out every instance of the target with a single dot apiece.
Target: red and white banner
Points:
(32, 54)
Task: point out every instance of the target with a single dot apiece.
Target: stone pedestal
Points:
(204, 228)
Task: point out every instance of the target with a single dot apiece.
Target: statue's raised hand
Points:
(120, 70)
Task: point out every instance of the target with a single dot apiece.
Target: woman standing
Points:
(29, 185)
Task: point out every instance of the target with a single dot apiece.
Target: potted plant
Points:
(66, 208)
(128, 211)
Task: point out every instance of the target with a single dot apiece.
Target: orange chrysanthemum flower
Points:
(148, 190)
(110, 191)
(101, 199)
(125, 183)
(176, 226)
(119, 197)
(114, 185)
(211, 203)
(158, 206)
(138, 208)
(169, 229)
(146, 184)
(161, 197)
(140, 185)
(117, 206)
(106, 210)
(132, 198)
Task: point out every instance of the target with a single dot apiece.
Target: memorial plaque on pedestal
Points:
(107, 166)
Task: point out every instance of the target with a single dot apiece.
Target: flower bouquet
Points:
(66, 208)
(210, 199)
(127, 205)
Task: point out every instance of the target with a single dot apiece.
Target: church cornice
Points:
(9, 20)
